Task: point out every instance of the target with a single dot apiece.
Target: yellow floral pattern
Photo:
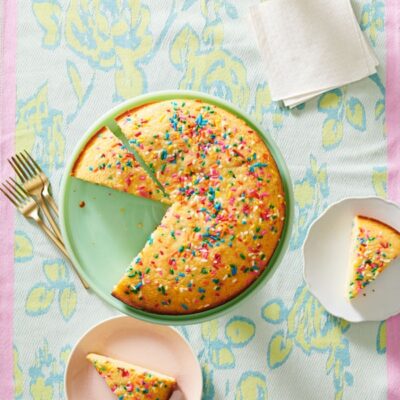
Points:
(264, 106)
(339, 110)
(310, 328)
(108, 35)
(372, 19)
(252, 385)
(381, 338)
(23, 247)
(40, 130)
(207, 66)
(47, 373)
(42, 295)
(48, 14)
(379, 181)
(239, 331)
(310, 194)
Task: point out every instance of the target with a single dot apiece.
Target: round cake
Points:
(227, 204)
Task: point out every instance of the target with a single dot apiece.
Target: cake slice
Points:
(374, 245)
(131, 382)
(106, 162)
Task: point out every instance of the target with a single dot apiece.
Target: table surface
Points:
(70, 62)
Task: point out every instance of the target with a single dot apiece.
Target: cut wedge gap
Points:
(117, 132)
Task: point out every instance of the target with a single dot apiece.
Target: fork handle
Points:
(49, 198)
(50, 218)
(60, 245)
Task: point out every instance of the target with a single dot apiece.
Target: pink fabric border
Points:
(7, 137)
(392, 29)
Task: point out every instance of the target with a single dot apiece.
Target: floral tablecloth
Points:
(65, 62)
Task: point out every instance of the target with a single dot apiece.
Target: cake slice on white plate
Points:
(131, 382)
(374, 245)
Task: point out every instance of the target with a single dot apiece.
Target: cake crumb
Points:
(140, 225)
(82, 204)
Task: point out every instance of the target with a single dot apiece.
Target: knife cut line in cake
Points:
(116, 130)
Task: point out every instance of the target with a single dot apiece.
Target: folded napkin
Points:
(310, 46)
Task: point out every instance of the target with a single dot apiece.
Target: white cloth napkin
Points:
(310, 46)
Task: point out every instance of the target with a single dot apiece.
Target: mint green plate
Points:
(103, 236)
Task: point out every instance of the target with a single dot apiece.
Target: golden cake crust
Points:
(378, 223)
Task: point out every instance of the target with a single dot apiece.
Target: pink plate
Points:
(156, 347)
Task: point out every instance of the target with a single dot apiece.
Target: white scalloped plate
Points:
(326, 252)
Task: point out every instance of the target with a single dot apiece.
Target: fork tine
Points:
(17, 162)
(12, 193)
(16, 192)
(25, 193)
(37, 166)
(24, 166)
(15, 167)
(28, 162)
(22, 192)
(8, 197)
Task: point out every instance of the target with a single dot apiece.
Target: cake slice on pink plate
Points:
(131, 382)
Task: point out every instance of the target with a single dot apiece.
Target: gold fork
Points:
(29, 208)
(46, 188)
(36, 184)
